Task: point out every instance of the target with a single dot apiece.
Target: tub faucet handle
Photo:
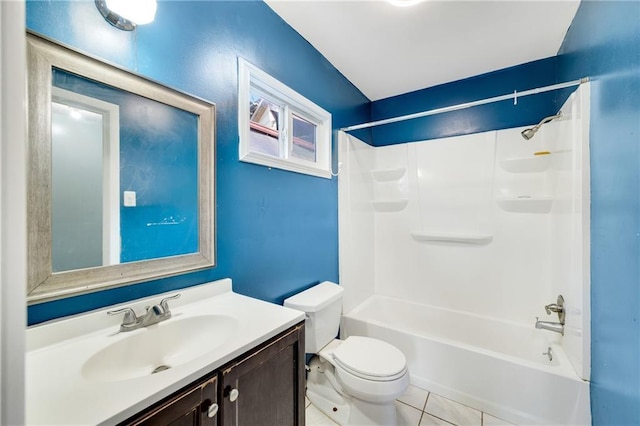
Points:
(553, 307)
(558, 308)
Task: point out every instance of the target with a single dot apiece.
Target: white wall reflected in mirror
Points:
(85, 156)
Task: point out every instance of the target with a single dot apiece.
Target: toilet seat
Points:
(370, 359)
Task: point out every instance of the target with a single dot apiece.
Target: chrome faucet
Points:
(557, 327)
(558, 308)
(550, 325)
(153, 315)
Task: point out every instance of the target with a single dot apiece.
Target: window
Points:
(279, 127)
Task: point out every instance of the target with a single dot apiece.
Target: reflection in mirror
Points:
(157, 170)
(121, 176)
(84, 181)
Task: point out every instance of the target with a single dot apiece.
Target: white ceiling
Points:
(387, 50)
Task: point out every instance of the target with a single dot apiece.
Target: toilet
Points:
(354, 381)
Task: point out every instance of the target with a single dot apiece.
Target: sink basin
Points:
(159, 347)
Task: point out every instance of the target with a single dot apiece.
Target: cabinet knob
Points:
(212, 410)
(233, 395)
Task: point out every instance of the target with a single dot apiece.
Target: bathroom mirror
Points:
(121, 176)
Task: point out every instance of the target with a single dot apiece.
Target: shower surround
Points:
(458, 244)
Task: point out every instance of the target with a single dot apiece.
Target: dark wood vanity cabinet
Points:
(196, 405)
(263, 387)
(266, 386)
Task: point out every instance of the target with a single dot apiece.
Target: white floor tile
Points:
(315, 417)
(438, 411)
(488, 420)
(306, 402)
(429, 420)
(452, 411)
(407, 415)
(415, 397)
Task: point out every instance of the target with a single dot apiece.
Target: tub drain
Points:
(160, 368)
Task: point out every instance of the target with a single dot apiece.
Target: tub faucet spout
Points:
(556, 327)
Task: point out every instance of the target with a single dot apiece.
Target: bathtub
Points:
(492, 365)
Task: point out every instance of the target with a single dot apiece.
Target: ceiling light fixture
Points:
(404, 3)
(127, 14)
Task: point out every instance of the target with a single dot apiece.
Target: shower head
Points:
(530, 132)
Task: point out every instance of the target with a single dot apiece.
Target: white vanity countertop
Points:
(59, 393)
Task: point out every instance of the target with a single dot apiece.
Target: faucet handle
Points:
(553, 307)
(165, 305)
(558, 308)
(130, 319)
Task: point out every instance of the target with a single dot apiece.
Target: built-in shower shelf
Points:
(388, 175)
(534, 163)
(386, 206)
(526, 204)
(451, 237)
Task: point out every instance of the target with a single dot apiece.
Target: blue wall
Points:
(277, 231)
(604, 43)
(499, 115)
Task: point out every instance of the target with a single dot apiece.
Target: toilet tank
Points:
(323, 305)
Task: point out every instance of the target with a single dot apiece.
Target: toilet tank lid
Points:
(315, 298)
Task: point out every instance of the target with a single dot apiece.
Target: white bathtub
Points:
(491, 365)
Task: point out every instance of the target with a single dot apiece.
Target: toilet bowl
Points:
(354, 381)
(367, 368)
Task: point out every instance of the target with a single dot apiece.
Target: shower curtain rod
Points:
(515, 95)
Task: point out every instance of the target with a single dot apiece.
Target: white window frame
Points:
(251, 77)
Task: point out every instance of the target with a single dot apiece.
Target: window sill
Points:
(288, 165)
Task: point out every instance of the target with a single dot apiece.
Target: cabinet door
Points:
(193, 406)
(266, 387)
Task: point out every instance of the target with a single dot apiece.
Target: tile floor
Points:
(418, 407)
